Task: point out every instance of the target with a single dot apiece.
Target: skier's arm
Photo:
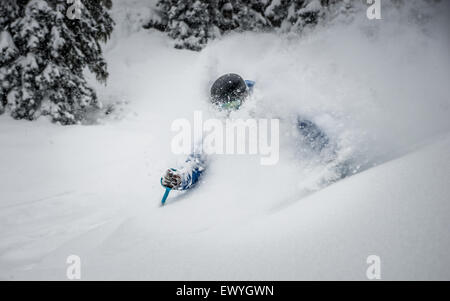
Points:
(187, 175)
(192, 169)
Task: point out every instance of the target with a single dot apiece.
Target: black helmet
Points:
(229, 90)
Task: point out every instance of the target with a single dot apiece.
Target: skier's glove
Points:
(171, 179)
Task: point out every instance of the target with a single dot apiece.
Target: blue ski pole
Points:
(168, 189)
(166, 194)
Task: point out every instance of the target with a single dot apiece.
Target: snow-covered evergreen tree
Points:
(191, 23)
(295, 15)
(187, 22)
(249, 14)
(44, 54)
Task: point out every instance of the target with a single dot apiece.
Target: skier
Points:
(228, 93)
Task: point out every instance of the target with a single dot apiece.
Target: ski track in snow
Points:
(94, 190)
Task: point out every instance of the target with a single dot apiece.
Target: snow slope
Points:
(379, 89)
(398, 211)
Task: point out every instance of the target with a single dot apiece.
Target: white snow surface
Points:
(378, 88)
(6, 41)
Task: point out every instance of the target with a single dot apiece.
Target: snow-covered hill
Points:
(381, 92)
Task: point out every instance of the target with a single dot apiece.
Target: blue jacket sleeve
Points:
(193, 168)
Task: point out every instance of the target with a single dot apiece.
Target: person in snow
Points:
(228, 93)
